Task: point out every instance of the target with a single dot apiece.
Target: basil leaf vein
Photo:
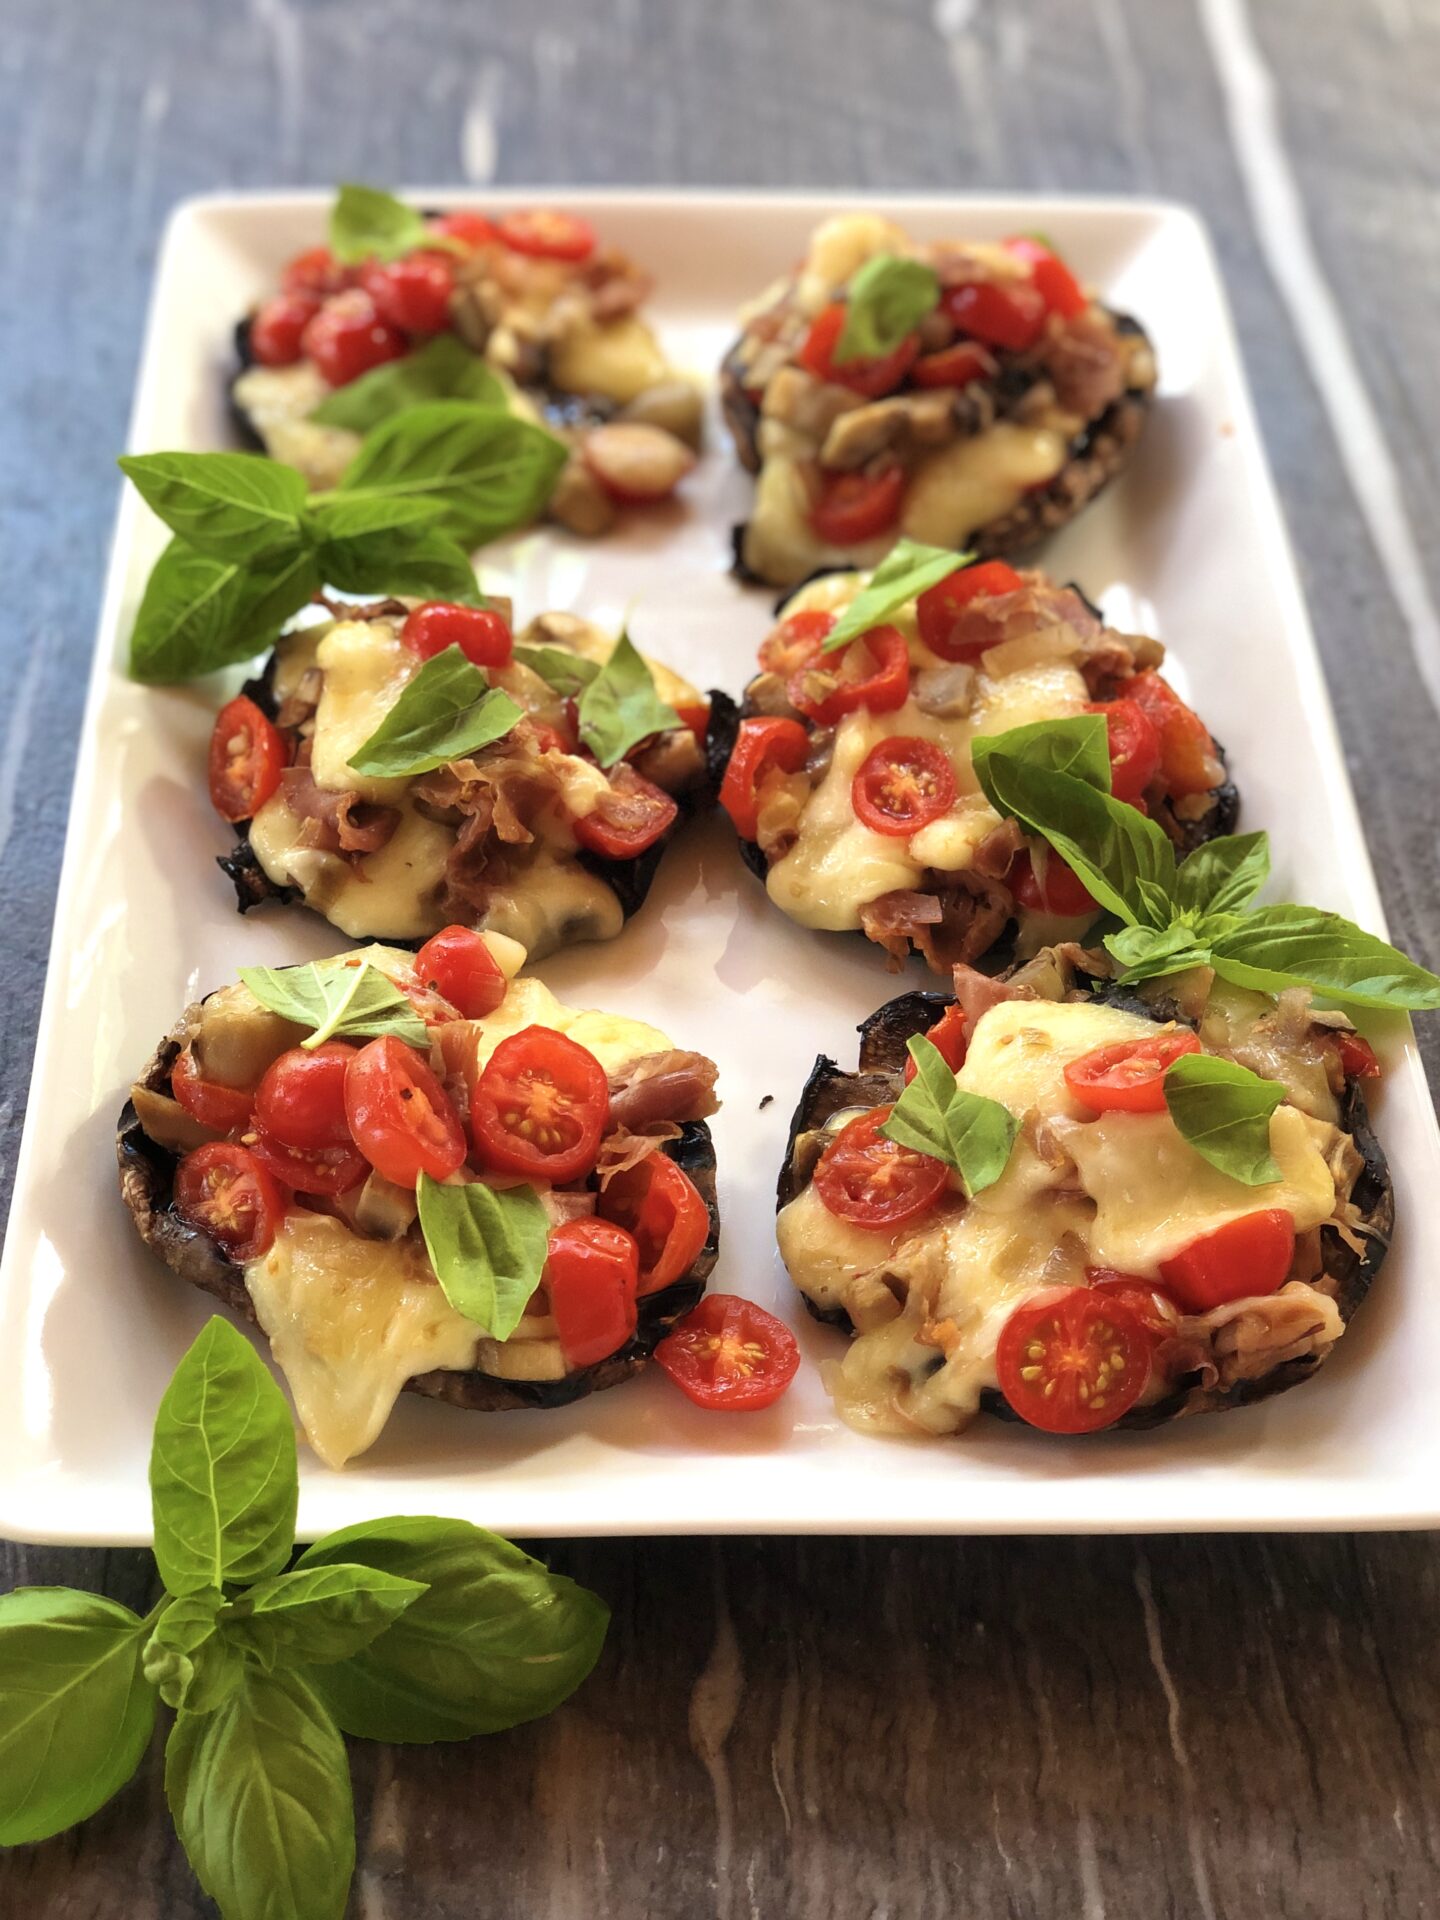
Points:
(886, 300)
(1284, 946)
(619, 707)
(487, 1248)
(968, 1132)
(449, 710)
(232, 506)
(337, 1001)
(1223, 1110)
(490, 471)
(315, 1615)
(905, 572)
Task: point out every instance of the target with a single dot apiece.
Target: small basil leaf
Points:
(448, 711)
(1223, 875)
(259, 1790)
(496, 1640)
(78, 1714)
(1224, 1111)
(487, 1249)
(232, 506)
(1077, 744)
(444, 369)
(620, 707)
(368, 224)
(345, 1001)
(223, 1482)
(317, 1614)
(905, 572)
(187, 1659)
(1286, 946)
(567, 673)
(1148, 953)
(885, 302)
(414, 560)
(965, 1130)
(490, 472)
(199, 613)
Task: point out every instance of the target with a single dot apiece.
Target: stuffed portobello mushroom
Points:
(426, 1174)
(530, 310)
(1101, 1272)
(849, 778)
(960, 393)
(399, 768)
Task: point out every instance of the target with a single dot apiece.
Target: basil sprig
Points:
(905, 572)
(1223, 1110)
(619, 707)
(337, 1002)
(443, 369)
(366, 223)
(447, 711)
(398, 1629)
(885, 301)
(487, 1248)
(965, 1130)
(568, 673)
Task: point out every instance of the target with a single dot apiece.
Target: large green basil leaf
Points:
(199, 613)
(487, 1247)
(1223, 1110)
(490, 472)
(1285, 946)
(965, 1130)
(232, 506)
(337, 1002)
(448, 711)
(443, 369)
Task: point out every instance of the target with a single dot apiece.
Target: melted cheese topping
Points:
(617, 359)
(962, 487)
(613, 1038)
(278, 402)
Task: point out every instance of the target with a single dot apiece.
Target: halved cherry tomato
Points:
(1358, 1057)
(480, 633)
(730, 1355)
(316, 271)
(1188, 761)
(902, 785)
(539, 1107)
(1056, 285)
(873, 1182)
(300, 1100)
(247, 757)
(1134, 747)
(854, 507)
(1150, 1304)
(796, 641)
(279, 323)
(947, 624)
(873, 671)
(627, 820)
(660, 1205)
(319, 1170)
(761, 746)
(547, 234)
(225, 1191)
(949, 1036)
(213, 1105)
(1061, 891)
(1245, 1257)
(412, 293)
(1009, 314)
(591, 1271)
(470, 229)
(1070, 1360)
(457, 964)
(955, 366)
(872, 376)
(401, 1117)
(1128, 1076)
(347, 337)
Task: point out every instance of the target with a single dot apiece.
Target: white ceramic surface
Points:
(1188, 544)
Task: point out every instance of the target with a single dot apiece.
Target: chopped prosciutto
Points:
(670, 1086)
(336, 822)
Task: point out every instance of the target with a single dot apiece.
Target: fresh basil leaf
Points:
(232, 506)
(490, 472)
(368, 224)
(416, 560)
(344, 1001)
(885, 302)
(186, 1657)
(1223, 1110)
(487, 1248)
(443, 369)
(905, 572)
(77, 1713)
(1078, 744)
(259, 1790)
(1223, 875)
(567, 673)
(1286, 946)
(199, 613)
(318, 1614)
(448, 711)
(1148, 953)
(496, 1640)
(620, 707)
(965, 1130)
(223, 1483)
(348, 516)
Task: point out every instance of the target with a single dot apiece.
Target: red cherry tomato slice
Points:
(316, 272)
(796, 641)
(227, 1194)
(1358, 1057)
(480, 633)
(873, 1182)
(762, 746)
(730, 1356)
(413, 293)
(950, 1037)
(696, 716)
(1071, 1360)
(219, 1107)
(1151, 1305)
(873, 671)
(1134, 747)
(854, 507)
(470, 229)
(902, 785)
(1188, 761)
(956, 366)
(872, 376)
(948, 626)
(627, 820)
(400, 1116)
(1008, 315)
(301, 1099)
(1061, 892)
(247, 757)
(457, 964)
(544, 233)
(319, 1170)
(539, 1107)
(279, 325)
(659, 1204)
(1128, 1076)
(591, 1269)
(1244, 1258)
(347, 337)
(1056, 285)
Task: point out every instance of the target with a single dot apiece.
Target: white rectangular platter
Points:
(91, 1326)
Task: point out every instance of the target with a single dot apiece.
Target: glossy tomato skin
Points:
(1188, 761)
(458, 965)
(279, 325)
(544, 233)
(661, 1207)
(316, 272)
(481, 634)
(540, 1106)
(400, 1116)
(412, 294)
(472, 230)
(760, 746)
(327, 1171)
(850, 508)
(1053, 280)
(1358, 1058)
(591, 1271)
(1134, 747)
(873, 377)
(902, 785)
(247, 758)
(956, 366)
(796, 641)
(1128, 1076)
(1246, 1257)
(1062, 892)
(873, 671)
(225, 1192)
(950, 1037)
(347, 337)
(1152, 1307)
(627, 820)
(730, 1356)
(873, 1182)
(1009, 314)
(943, 611)
(301, 1097)
(1071, 1360)
(208, 1101)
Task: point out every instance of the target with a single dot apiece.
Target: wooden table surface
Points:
(1218, 1728)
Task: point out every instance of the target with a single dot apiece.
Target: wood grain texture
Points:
(1040, 1729)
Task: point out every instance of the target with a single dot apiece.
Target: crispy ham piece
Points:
(336, 822)
(662, 1088)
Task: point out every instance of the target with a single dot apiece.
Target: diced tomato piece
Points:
(279, 325)
(247, 757)
(221, 1108)
(1358, 1057)
(872, 376)
(1188, 760)
(229, 1195)
(401, 1117)
(1246, 1257)
(696, 716)
(851, 508)
(1061, 892)
(301, 1098)
(627, 820)
(873, 1182)
(955, 366)
(412, 293)
(457, 964)
(1007, 314)
(1156, 1312)
(591, 1272)
(902, 785)
(730, 1356)
(762, 746)
(347, 337)
(1134, 747)
(1128, 1076)
(1055, 283)
(796, 641)
(659, 1204)
(539, 1107)
(480, 632)
(949, 622)
(470, 229)
(547, 234)
(872, 671)
(317, 272)
(1071, 1360)
(949, 1036)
